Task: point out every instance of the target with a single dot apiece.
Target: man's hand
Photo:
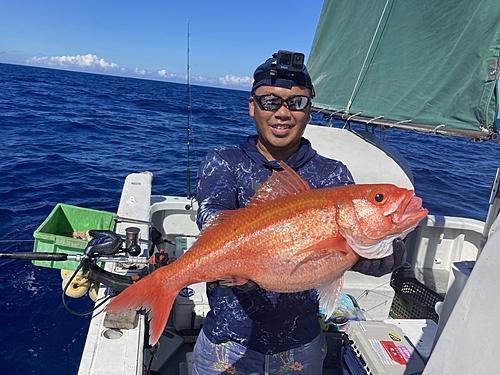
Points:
(383, 266)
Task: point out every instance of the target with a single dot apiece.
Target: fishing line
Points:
(374, 290)
(5, 241)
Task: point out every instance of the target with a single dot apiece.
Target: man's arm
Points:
(216, 188)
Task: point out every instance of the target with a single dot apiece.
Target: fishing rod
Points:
(188, 171)
(54, 257)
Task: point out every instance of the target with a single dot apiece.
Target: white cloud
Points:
(200, 79)
(229, 79)
(92, 63)
(164, 74)
(176, 77)
(81, 61)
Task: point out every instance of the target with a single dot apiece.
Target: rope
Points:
(366, 57)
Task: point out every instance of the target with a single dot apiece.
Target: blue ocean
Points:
(72, 138)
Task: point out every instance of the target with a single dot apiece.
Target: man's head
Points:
(284, 69)
(281, 104)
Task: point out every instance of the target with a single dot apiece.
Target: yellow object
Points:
(64, 273)
(93, 291)
(78, 286)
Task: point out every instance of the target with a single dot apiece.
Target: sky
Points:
(148, 38)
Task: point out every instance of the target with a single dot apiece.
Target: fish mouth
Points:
(409, 211)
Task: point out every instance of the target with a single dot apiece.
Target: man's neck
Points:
(271, 154)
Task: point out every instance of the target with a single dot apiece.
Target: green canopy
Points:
(429, 62)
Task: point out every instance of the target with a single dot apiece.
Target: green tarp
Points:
(431, 61)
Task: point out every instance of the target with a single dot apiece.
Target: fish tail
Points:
(154, 296)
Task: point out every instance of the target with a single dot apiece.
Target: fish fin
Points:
(280, 184)
(229, 282)
(152, 295)
(322, 250)
(329, 295)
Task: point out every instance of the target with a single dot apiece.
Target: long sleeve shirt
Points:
(261, 320)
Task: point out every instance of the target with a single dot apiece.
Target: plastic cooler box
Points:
(378, 348)
(54, 235)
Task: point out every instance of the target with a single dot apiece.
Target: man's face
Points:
(279, 131)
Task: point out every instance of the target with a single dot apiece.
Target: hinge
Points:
(494, 70)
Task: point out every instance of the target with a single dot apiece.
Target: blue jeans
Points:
(233, 358)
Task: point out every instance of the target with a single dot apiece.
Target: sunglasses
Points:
(272, 102)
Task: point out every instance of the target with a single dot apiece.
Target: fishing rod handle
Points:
(35, 256)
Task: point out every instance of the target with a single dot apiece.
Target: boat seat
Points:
(369, 159)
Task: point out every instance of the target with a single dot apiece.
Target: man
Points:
(250, 330)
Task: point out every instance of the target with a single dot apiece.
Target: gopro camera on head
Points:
(290, 61)
(287, 64)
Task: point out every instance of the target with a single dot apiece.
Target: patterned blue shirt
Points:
(258, 319)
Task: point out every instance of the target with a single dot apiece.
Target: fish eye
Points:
(379, 197)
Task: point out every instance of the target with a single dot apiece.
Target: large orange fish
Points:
(289, 238)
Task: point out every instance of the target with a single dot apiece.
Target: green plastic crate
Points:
(54, 234)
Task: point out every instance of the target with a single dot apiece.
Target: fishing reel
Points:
(105, 246)
(88, 275)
